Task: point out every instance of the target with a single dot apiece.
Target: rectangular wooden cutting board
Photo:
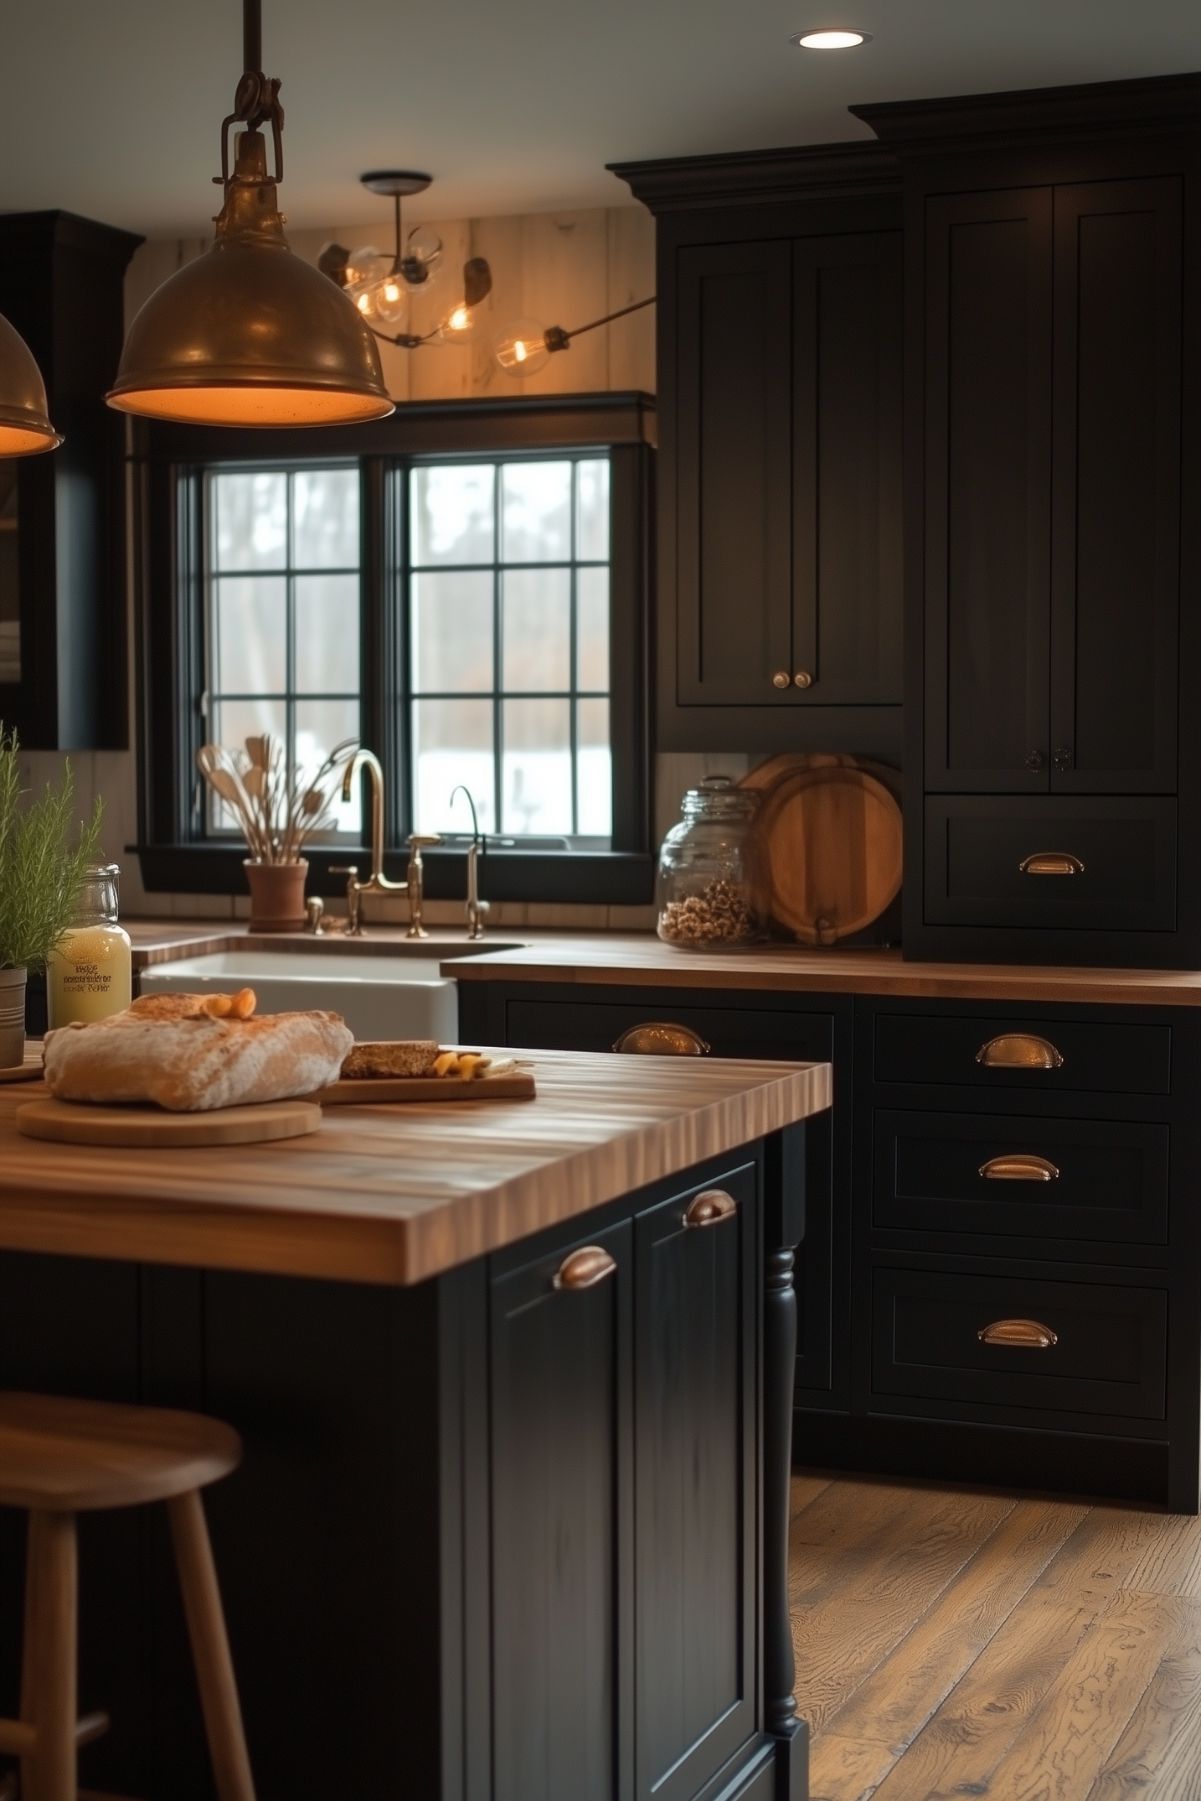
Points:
(515, 1086)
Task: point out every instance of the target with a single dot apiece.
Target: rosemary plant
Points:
(44, 851)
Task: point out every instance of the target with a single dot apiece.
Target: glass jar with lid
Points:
(706, 892)
(88, 972)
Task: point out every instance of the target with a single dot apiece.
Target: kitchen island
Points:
(514, 1380)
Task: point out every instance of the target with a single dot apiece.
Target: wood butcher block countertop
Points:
(784, 969)
(641, 960)
(393, 1194)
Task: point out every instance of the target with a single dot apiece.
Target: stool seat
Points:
(67, 1456)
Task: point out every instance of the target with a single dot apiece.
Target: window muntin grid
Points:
(507, 571)
(516, 683)
(282, 575)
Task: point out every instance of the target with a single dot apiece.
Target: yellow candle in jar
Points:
(88, 974)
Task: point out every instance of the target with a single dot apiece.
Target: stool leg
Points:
(56, 1657)
(210, 1649)
(29, 1655)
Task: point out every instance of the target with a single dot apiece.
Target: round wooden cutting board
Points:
(829, 840)
(22, 1072)
(765, 775)
(73, 1122)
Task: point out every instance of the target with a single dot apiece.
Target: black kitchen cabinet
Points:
(985, 1161)
(694, 1460)
(540, 1509)
(1052, 488)
(1052, 566)
(62, 514)
(560, 1473)
(780, 356)
(620, 1507)
(761, 1026)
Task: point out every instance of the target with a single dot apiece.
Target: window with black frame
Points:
(474, 616)
(282, 588)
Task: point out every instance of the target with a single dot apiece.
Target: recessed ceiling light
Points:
(842, 39)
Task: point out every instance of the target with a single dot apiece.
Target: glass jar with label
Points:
(706, 892)
(88, 973)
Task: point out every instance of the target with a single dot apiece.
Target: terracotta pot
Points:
(12, 1018)
(276, 895)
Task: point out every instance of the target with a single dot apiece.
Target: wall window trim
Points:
(168, 527)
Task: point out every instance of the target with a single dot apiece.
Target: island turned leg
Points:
(784, 1222)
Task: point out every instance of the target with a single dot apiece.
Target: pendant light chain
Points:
(249, 334)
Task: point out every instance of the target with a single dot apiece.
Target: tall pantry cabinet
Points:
(1053, 621)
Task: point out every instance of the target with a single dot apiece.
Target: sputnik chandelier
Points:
(384, 284)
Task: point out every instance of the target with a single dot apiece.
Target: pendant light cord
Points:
(396, 254)
(252, 35)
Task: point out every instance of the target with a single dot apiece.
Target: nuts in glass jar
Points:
(720, 914)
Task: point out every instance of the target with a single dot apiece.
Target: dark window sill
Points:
(611, 878)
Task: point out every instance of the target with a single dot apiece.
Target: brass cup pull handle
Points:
(662, 1038)
(1051, 862)
(1019, 1050)
(584, 1268)
(1022, 1334)
(710, 1208)
(1020, 1166)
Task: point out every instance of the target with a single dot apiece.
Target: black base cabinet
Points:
(1000, 1279)
(519, 1533)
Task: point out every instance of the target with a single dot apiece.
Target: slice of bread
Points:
(397, 1057)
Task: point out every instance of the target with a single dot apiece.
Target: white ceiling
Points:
(112, 110)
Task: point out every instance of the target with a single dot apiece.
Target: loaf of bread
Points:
(399, 1057)
(191, 1061)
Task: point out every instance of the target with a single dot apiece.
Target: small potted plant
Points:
(278, 810)
(44, 854)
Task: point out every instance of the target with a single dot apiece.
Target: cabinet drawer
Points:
(1123, 854)
(1079, 1056)
(1108, 1356)
(1030, 1178)
(728, 1031)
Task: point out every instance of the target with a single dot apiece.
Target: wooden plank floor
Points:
(955, 1642)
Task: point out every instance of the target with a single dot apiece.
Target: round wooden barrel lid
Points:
(829, 848)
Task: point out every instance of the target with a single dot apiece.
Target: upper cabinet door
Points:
(987, 490)
(733, 430)
(1115, 525)
(846, 481)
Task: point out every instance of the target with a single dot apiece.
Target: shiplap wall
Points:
(559, 268)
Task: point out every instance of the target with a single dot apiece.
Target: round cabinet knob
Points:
(1062, 758)
(803, 679)
(1035, 761)
(780, 679)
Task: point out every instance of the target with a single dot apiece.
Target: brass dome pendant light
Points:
(249, 334)
(25, 426)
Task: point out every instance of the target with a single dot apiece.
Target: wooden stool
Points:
(59, 1458)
